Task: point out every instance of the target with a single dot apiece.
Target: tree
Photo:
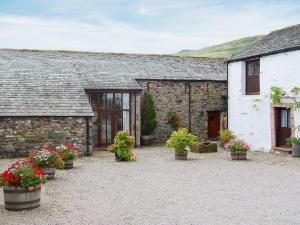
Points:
(148, 114)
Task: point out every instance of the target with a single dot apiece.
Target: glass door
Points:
(112, 112)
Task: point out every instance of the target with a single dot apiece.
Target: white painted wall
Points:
(247, 123)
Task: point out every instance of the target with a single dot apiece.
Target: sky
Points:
(138, 26)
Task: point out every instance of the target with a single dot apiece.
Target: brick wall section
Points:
(20, 134)
(173, 96)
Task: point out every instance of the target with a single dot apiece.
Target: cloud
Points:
(164, 26)
(36, 33)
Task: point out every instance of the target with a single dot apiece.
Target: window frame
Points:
(254, 75)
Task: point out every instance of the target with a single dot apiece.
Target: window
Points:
(252, 77)
(285, 118)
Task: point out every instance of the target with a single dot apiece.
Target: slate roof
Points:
(53, 83)
(286, 39)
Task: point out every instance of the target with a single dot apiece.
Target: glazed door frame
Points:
(282, 126)
(111, 113)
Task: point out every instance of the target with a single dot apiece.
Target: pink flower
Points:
(46, 162)
(30, 188)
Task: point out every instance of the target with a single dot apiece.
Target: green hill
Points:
(223, 50)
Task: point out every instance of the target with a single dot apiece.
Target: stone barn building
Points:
(52, 97)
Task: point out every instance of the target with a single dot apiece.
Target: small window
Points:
(285, 118)
(252, 77)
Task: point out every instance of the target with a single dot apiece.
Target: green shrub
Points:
(293, 140)
(174, 120)
(122, 146)
(181, 139)
(148, 114)
(296, 138)
(226, 136)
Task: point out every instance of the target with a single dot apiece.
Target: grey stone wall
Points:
(173, 96)
(206, 96)
(20, 134)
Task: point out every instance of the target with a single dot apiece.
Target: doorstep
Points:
(282, 149)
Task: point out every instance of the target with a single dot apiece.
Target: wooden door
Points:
(213, 124)
(283, 126)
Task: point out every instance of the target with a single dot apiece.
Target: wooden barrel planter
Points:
(181, 155)
(68, 163)
(118, 158)
(238, 155)
(49, 171)
(17, 199)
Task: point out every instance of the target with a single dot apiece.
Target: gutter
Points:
(87, 137)
(264, 54)
(189, 105)
(227, 97)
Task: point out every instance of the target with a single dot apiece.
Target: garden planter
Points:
(49, 171)
(147, 140)
(296, 150)
(118, 158)
(195, 147)
(68, 163)
(17, 199)
(181, 155)
(238, 155)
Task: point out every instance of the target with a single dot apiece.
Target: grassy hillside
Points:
(223, 50)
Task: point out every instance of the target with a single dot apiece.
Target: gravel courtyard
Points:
(206, 189)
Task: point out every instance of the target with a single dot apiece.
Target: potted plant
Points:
(68, 153)
(46, 158)
(295, 141)
(226, 136)
(173, 120)
(21, 184)
(180, 140)
(238, 149)
(148, 118)
(122, 146)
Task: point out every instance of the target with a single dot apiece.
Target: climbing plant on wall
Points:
(277, 93)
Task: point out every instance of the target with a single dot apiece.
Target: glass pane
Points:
(95, 129)
(103, 128)
(125, 100)
(94, 100)
(106, 128)
(118, 101)
(288, 119)
(256, 70)
(250, 68)
(102, 100)
(119, 123)
(284, 118)
(126, 120)
(109, 100)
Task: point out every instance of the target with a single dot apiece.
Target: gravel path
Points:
(206, 189)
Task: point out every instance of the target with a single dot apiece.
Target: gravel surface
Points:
(206, 189)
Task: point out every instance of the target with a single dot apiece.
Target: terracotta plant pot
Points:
(49, 171)
(181, 155)
(238, 155)
(17, 199)
(68, 163)
(296, 150)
